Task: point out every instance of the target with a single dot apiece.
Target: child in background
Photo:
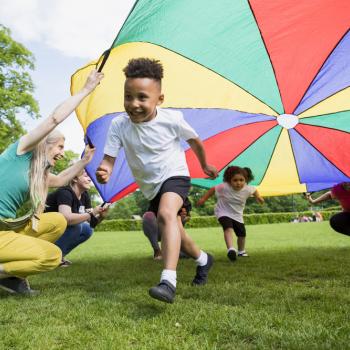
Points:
(231, 196)
(151, 139)
(151, 230)
(339, 222)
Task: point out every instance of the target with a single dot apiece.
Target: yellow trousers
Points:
(29, 252)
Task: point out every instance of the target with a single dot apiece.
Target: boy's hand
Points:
(93, 80)
(211, 171)
(102, 174)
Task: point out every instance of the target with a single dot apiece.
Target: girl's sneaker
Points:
(232, 255)
(244, 253)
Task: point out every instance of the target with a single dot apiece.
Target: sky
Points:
(63, 35)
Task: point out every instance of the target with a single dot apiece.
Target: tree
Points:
(69, 158)
(16, 87)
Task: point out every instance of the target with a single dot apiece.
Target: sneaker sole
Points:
(160, 297)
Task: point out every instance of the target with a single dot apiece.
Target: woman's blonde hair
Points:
(40, 169)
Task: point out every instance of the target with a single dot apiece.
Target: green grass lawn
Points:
(291, 293)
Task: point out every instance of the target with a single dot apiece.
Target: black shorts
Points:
(178, 184)
(237, 226)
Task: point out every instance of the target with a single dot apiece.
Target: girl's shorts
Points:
(237, 226)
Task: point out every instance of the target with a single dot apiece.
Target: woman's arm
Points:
(64, 177)
(29, 141)
(72, 218)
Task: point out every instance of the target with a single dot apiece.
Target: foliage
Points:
(16, 87)
(69, 158)
(211, 221)
(133, 204)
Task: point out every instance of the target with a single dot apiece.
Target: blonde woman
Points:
(26, 246)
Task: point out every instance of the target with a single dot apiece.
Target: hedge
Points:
(211, 221)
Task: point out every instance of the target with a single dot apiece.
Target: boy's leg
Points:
(204, 261)
(150, 229)
(170, 204)
(187, 243)
(73, 236)
(50, 227)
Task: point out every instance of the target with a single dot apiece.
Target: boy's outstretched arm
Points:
(104, 170)
(206, 196)
(198, 148)
(258, 198)
(324, 197)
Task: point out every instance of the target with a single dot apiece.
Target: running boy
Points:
(231, 196)
(151, 140)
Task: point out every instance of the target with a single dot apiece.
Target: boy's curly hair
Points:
(231, 171)
(144, 68)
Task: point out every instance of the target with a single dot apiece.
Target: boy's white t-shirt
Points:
(231, 203)
(152, 149)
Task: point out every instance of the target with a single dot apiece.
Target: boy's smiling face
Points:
(141, 97)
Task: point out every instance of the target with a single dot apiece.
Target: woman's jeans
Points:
(73, 236)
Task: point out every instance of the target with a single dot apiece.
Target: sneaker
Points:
(65, 263)
(164, 291)
(17, 285)
(244, 253)
(202, 272)
(157, 255)
(232, 255)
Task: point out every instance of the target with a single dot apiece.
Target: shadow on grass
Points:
(126, 279)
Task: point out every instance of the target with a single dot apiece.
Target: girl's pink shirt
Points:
(342, 195)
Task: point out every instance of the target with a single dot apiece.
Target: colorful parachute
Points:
(266, 84)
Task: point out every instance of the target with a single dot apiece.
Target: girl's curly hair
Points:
(231, 171)
(144, 68)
